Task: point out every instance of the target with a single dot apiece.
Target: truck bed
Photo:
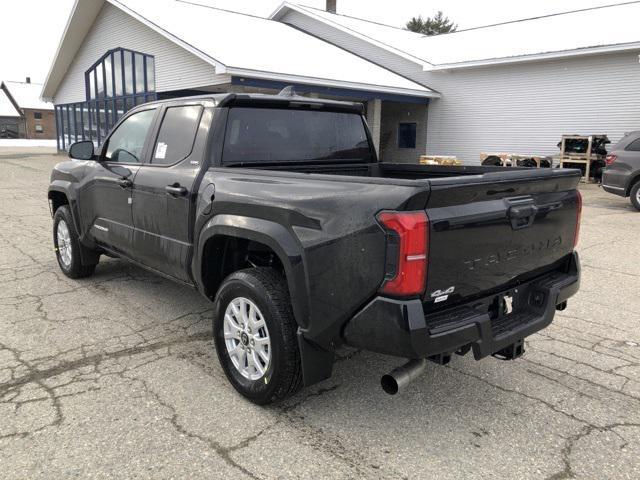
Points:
(490, 227)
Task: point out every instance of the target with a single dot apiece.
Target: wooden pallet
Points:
(579, 158)
(439, 160)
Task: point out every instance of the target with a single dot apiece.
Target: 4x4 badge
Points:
(442, 295)
(439, 293)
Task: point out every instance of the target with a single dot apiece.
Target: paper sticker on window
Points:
(161, 150)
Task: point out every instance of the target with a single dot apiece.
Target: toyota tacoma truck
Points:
(276, 208)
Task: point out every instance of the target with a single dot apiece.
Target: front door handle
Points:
(124, 182)
(176, 190)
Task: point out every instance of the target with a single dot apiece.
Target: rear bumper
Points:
(615, 190)
(402, 329)
(615, 182)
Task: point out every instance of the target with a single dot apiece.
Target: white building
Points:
(514, 87)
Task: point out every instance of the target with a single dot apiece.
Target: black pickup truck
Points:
(276, 208)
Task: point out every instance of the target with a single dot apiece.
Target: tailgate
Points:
(492, 230)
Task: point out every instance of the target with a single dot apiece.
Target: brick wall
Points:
(47, 122)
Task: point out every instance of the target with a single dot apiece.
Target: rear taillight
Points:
(610, 158)
(410, 232)
(576, 236)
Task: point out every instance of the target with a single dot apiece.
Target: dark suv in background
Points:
(622, 174)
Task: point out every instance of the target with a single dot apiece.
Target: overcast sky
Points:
(30, 29)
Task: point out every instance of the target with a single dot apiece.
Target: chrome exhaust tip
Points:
(402, 376)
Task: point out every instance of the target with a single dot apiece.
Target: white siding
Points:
(175, 67)
(526, 108)
(519, 108)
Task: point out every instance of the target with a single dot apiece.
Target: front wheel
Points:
(68, 246)
(635, 195)
(255, 335)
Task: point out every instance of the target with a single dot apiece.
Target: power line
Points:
(213, 7)
(598, 7)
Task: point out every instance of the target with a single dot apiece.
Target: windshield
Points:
(269, 135)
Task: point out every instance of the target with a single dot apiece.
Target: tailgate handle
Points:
(522, 216)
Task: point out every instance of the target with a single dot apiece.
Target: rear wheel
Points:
(635, 195)
(68, 246)
(255, 335)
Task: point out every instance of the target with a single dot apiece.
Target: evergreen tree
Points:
(431, 26)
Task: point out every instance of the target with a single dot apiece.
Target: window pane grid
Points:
(139, 73)
(108, 77)
(128, 73)
(118, 81)
(117, 73)
(151, 74)
(121, 72)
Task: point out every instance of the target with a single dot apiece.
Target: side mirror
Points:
(81, 150)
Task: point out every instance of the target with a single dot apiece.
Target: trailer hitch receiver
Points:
(511, 352)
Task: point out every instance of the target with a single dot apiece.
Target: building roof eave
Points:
(279, 13)
(85, 12)
(242, 72)
(83, 15)
(535, 57)
(78, 25)
(12, 100)
(219, 66)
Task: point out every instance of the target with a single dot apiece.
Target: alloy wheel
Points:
(64, 243)
(247, 338)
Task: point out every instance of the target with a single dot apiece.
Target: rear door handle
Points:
(124, 182)
(176, 190)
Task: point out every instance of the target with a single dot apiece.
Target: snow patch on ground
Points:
(23, 142)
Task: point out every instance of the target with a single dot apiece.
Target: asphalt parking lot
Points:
(115, 376)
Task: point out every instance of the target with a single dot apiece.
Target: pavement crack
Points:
(220, 450)
(541, 401)
(37, 375)
(567, 472)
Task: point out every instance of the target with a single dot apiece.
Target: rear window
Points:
(283, 135)
(634, 146)
(624, 141)
(177, 134)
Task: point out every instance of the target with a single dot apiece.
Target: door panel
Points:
(161, 220)
(106, 196)
(105, 206)
(164, 191)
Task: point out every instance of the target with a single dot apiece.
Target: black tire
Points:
(635, 195)
(267, 289)
(74, 268)
(492, 161)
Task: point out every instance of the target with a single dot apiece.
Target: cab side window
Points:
(126, 143)
(177, 134)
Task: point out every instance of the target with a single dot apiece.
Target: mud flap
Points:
(317, 363)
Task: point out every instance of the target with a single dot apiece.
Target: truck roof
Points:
(260, 99)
